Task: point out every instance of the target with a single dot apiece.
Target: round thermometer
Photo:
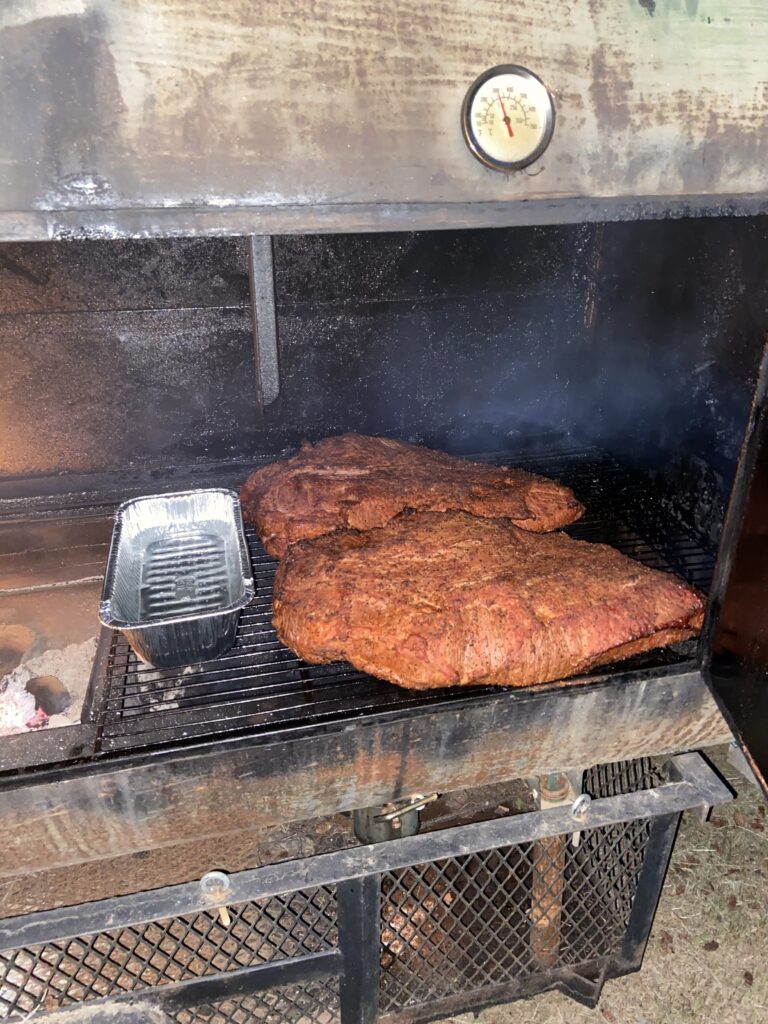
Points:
(508, 117)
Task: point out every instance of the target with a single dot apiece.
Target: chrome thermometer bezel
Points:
(474, 144)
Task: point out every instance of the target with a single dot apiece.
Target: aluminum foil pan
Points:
(178, 575)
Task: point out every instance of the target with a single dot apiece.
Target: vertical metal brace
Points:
(261, 276)
(359, 914)
(661, 840)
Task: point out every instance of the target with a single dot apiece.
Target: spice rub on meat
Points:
(363, 482)
(444, 599)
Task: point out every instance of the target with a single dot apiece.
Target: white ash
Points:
(151, 693)
(16, 705)
(71, 665)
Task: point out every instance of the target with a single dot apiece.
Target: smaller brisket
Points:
(363, 482)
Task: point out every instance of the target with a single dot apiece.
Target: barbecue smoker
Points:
(228, 227)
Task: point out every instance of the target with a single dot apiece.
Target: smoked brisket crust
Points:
(444, 599)
(358, 482)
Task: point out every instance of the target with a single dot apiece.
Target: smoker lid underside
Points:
(260, 687)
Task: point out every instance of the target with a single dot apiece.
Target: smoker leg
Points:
(360, 946)
(584, 986)
(649, 885)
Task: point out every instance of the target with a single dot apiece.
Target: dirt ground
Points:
(707, 958)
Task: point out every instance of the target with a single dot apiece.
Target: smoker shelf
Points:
(261, 686)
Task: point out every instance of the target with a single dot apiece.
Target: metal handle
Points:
(580, 806)
(215, 885)
(414, 803)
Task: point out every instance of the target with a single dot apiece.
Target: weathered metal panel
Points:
(691, 783)
(213, 115)
(226, 788)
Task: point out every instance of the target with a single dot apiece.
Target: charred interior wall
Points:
(122, 355)
(124, 359)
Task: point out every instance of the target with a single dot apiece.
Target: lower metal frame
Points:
(356, 874)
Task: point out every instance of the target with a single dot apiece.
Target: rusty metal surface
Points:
(547, 898)
(220, 116)
(224, 788)
(151, 869)
(692, 783)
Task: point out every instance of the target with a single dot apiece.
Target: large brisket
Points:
(436, 599)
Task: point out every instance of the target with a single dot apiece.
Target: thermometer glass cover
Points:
(507, 117)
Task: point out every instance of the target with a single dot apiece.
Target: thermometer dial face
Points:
(508, 117)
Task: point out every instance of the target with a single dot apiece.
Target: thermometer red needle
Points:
(507, 118)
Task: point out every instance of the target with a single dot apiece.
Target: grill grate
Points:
(129, 959)
(467, 923)
(315, 1002)
(259, 685)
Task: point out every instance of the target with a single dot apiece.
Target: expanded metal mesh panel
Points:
(162, 952)
(311, 1002)
(622, 777)
(260, 685)
(472, 922)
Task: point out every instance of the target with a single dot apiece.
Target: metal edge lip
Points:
(189, 492)
(248, 591)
